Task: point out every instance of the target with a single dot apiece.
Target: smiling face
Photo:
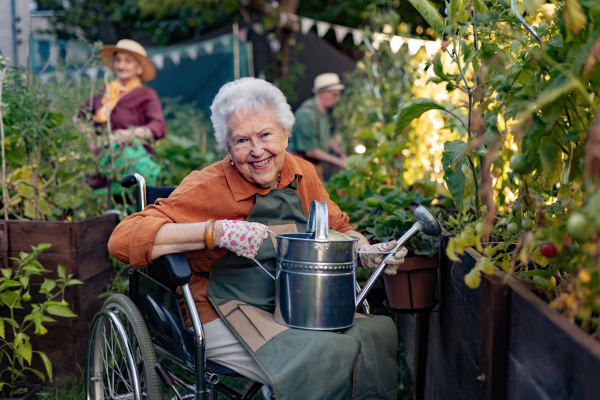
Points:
(257, 146)
(126, 67)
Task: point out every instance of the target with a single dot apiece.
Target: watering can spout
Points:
(426, 223)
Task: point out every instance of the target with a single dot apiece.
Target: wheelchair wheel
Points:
(119, 354)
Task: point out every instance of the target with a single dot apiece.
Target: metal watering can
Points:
(315, 281)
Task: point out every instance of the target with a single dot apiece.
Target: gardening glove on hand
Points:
(243, 238)
(371, 256)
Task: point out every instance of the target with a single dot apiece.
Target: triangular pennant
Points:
(192, 51)
(431, 48)
(175, 57)
(357, 36)
(158, 60)
(306, 24)
(340, 32)
(396, 43)
(208, 47)
(322, 28)
(92, 72)
(413, 46)
(225, 40)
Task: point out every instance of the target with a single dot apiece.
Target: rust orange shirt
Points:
(218, 192)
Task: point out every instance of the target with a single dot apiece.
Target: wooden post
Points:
(236, 52)
(421, 339)
(493, 339)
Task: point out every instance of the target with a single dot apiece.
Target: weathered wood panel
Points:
(82, 249)
(57, 233)
(549, 357)
(95, 231)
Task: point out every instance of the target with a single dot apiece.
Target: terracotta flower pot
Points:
(417, 276)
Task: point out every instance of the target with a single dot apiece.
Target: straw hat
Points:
(328, 81)
(134, 49)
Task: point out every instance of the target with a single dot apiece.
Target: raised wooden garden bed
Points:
(500, 341)
(81, 247)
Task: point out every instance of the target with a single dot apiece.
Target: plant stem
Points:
(39, 160)
(478, 211)
(4, 190)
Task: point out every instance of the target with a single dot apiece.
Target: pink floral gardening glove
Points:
(243, 238)
(371, 256)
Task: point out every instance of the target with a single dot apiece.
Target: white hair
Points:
(244, 95)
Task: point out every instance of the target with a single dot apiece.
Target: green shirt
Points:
(307, 133)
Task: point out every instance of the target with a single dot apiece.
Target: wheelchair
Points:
(130, 334)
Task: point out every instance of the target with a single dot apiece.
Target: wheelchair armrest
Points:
(130, 179)
(177, 266)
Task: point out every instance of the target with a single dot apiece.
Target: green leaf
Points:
(62, 271)
(24, 281)
(539, 258)
(24, 350)
(11, 321)
(7, 272)
(72, 282)
(10, 298)
(10, 283)
(47, 364)
(411, 110)
(38, 373)
(480, 5)
(2, 333)
(430, 14)
(61, 311)
(485, 265)
(48, 285)
(438, 68)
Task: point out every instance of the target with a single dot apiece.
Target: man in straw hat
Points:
(129, 110)
(311, 137)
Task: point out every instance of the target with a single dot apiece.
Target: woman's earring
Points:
(232, 163)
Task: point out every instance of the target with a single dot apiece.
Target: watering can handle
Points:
(260, 265)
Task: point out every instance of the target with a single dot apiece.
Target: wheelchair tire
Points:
(110, 361)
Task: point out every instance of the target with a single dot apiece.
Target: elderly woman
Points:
(218, 218)
(131, 110)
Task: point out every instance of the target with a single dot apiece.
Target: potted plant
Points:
(30, 307)
(414, 285)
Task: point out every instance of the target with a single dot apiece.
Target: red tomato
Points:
(445, 117)
(566, 240)
(548, 250)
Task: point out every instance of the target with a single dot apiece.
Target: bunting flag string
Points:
(396, 42)
(213, 45)
(322, 28)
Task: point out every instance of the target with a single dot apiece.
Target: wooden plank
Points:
(93, 261)
(50, 261)
(493, 338)
(453, 349)
(23, 234)
(3, 244)
(421, 341)
(95, 231)
(407, 325)
(549, 357)
(92, 288)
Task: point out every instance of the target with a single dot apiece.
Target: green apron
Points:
(357, 363)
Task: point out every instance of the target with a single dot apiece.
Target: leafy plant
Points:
(189, 144)
(46, 156)
(528, 166)
(15, 288)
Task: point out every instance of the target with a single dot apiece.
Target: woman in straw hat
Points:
(129, 110)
